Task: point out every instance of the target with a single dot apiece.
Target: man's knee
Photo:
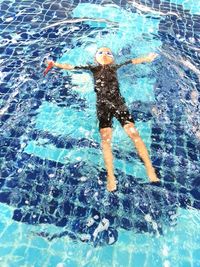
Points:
(106, 135)
(132, 132)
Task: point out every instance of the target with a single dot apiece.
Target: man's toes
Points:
(111, 186)
(155, 179)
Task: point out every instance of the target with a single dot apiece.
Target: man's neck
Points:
(105, 65)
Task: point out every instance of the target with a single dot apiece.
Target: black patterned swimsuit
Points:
(110, 102)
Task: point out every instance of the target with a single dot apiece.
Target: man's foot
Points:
(152, 175)
(111, 184)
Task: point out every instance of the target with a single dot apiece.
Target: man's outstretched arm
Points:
(60, 65)
(149, 58)
(146, 59)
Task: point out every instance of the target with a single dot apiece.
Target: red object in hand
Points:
(49, 67)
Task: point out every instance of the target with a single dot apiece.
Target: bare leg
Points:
(142, 151)
(106, 136)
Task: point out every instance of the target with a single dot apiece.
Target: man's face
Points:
(104, 56)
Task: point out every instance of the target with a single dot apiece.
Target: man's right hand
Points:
(50, 65)
(47, 62)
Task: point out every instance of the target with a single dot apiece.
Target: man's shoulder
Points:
(95, 68)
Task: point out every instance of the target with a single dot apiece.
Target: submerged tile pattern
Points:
(45, 191)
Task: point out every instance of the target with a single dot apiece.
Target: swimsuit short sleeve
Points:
(123, 64)
(89, 67)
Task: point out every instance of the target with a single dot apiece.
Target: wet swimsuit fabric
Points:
(110, 102)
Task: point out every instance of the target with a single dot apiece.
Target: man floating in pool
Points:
(110, 103)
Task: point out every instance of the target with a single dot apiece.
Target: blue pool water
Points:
(54, 207)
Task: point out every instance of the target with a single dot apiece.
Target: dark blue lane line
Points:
(38, 198)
